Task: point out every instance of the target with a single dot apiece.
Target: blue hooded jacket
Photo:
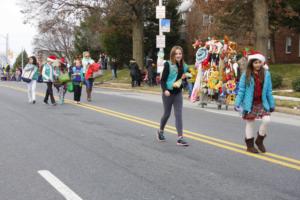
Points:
(246, 93)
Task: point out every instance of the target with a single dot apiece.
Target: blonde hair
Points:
(85, 53)
(173, 54)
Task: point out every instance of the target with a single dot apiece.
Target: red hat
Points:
(62, 60)
(257, 55)
(51, 58)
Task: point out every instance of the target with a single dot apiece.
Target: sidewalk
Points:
(287, 98)
(277, 117)
(128, 86)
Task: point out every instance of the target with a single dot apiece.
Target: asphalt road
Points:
(107, 150)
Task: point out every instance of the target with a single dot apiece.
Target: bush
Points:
(276, 81)
(296, 85)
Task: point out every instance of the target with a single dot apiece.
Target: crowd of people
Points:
(149, 75)
(57, 74)
(8, 74)
(254, 98)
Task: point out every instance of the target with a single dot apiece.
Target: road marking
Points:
(241, 151)
(281, 160)
(63, 189)
(187, 132)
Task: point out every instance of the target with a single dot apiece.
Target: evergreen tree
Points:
(18, 62)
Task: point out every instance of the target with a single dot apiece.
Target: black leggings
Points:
(175, 100)
(77, 92)
(49, 92)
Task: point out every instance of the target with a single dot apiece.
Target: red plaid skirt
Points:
(258, 112)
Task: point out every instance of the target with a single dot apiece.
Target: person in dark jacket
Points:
(135, 73)
(114, 67)
(151, 72)
(7, 70)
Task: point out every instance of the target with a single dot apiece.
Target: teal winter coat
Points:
(246, 93)
(48, 73)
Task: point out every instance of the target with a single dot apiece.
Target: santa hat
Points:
(62, 60)
(51, 58)
(257, 56)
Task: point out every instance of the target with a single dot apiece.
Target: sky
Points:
(11, 22)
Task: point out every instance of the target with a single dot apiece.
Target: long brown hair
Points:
(173, 54)
(173, 59)
(250, 72)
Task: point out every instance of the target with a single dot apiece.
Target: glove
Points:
(272, 109)
(237, 108)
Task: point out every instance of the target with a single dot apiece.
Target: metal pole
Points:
(160, 54)
(160, 31)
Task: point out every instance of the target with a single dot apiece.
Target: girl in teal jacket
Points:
(255, 100)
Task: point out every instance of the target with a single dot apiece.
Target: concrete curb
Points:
(125, 87)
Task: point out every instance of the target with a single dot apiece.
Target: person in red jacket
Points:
(89, 79)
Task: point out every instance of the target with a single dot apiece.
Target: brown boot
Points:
(88, 92)
(260, 143)
(250, 145)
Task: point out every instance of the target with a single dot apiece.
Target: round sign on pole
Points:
(201, 54)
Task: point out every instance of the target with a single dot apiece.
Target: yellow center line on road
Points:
(156, 124)
(276, 159)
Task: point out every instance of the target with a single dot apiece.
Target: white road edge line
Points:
(63, 189)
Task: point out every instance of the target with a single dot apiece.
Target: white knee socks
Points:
(264, 125)
(250, 133)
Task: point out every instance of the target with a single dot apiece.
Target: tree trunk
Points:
(138, 41)
(273, 58)
(261, 25)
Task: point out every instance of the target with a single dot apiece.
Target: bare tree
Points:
(50, 12)
(57, 40)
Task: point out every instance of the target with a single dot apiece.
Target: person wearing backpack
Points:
(31, 86)
(48, 78)
(77, 79)
(171, 84)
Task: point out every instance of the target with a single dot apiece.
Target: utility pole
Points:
(161, 38)
(160, 31)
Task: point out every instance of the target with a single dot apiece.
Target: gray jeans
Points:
(175, 100)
